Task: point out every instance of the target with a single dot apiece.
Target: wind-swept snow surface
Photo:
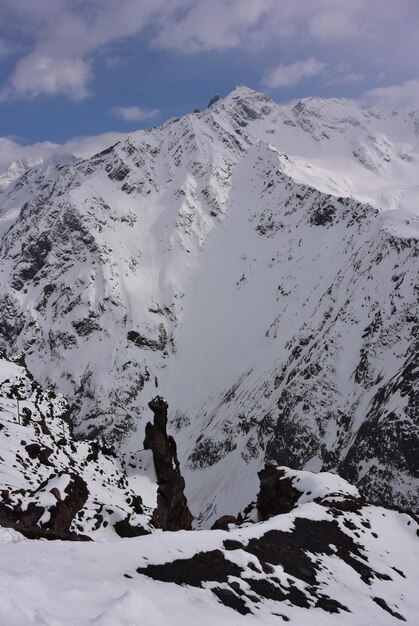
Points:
(255, 263)
(315, 565)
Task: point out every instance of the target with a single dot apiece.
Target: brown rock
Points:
(277, 494)
(172, 508)
(124, 528)
(223, 522)
(73, 499)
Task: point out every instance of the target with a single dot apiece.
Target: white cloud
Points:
(289, 75)
(394, 96)
(214, 25)
(11, 150)
(83, 147)
(39, 74)
(65, 35)
(134, 113)
(337, 77)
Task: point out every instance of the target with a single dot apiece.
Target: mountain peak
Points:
(243, 92)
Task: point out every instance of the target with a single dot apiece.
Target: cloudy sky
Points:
(77, 68)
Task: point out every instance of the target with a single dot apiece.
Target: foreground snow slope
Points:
(317, 565)
(255, 262)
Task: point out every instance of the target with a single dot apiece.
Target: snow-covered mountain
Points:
(257, 264)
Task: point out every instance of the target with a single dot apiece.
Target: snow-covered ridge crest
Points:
(248, 263)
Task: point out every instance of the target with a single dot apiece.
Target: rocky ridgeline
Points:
(52, 485)
(310, 541)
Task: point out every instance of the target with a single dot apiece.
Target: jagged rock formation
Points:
(38, 517)
(172, 509)
(259, 263)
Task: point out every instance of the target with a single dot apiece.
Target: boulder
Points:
(222, 523)
(277, 494)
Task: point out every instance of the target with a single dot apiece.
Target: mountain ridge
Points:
(193, 259)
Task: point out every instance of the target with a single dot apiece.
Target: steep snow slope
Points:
(23, 180)
(229, 259)
(334, 323)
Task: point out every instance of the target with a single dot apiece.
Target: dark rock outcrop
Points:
(277, 494)
(124, 528)
(223, 522)
(35, 451)
(27, 519)
(172, 508)
(295, 551)
(73, 500)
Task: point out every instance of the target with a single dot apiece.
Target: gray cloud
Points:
(394, 96)
(289, 75)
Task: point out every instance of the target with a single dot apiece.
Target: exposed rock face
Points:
(283, 489)
(124, 528)
(172, 509)
(242, 571)
(75, 497)
(38, 514)
(277, 494)
(287, 560)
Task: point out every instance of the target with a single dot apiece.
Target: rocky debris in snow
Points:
(292, 559)
(314, 565)
(52, 485)
(172, 508)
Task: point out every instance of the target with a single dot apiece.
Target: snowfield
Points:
(63, 583)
